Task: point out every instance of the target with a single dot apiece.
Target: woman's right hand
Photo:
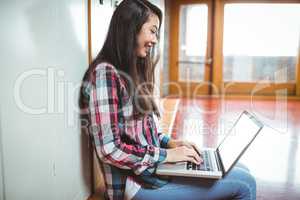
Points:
(183, 153)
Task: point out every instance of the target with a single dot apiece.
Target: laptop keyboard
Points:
(205, 166)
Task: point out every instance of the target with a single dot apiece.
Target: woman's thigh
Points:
(237, 184)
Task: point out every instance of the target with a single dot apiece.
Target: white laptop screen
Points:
(237, 139)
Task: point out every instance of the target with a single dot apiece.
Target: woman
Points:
(117, 95)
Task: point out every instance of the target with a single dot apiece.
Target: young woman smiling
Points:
(117, 97)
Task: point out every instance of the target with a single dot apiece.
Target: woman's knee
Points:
(241, 174)
(249, 179)
(242, 166)
(247, 183)
(245, 191)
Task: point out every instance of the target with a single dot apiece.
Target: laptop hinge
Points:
(219, 162)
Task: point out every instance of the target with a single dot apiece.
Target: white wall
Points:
(1, 168)
(100, 19)
(44, 155)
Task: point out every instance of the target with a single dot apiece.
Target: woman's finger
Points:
(196, 148)
(192, 159)
(193, 146)
(192, 153)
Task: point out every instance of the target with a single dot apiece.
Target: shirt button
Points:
(145, 163)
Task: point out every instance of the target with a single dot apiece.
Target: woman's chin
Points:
(142, 55)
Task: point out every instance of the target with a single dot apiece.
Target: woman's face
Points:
(147, 36)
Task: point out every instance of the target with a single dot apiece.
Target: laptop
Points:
(218, 162)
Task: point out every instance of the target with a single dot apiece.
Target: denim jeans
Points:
(237, 184)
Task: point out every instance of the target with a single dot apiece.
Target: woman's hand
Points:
(178, 143)
(180, 150)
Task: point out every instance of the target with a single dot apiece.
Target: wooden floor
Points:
(273, 158)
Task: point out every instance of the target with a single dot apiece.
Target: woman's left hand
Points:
(177, 143)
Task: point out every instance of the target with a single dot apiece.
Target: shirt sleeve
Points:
(103, 105)
(163, 139)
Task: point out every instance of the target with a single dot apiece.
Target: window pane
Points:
(261, 42)
(192, 41)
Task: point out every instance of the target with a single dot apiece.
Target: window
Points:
(261, 42)
(193, 27)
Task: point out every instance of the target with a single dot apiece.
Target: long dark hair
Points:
(119, 49)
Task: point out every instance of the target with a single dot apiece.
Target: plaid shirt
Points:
(128, 150)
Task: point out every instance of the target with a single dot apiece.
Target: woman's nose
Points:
(154, 40)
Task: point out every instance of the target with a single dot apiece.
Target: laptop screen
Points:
(239, 137)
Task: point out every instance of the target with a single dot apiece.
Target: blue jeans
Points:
(237, 184)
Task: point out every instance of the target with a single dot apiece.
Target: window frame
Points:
(244, 88)
(182, 88)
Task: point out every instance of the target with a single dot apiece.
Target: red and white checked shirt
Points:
(128, 150)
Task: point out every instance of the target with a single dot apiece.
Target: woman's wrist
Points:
(173, 143)
(170, 144)
(168, 156)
